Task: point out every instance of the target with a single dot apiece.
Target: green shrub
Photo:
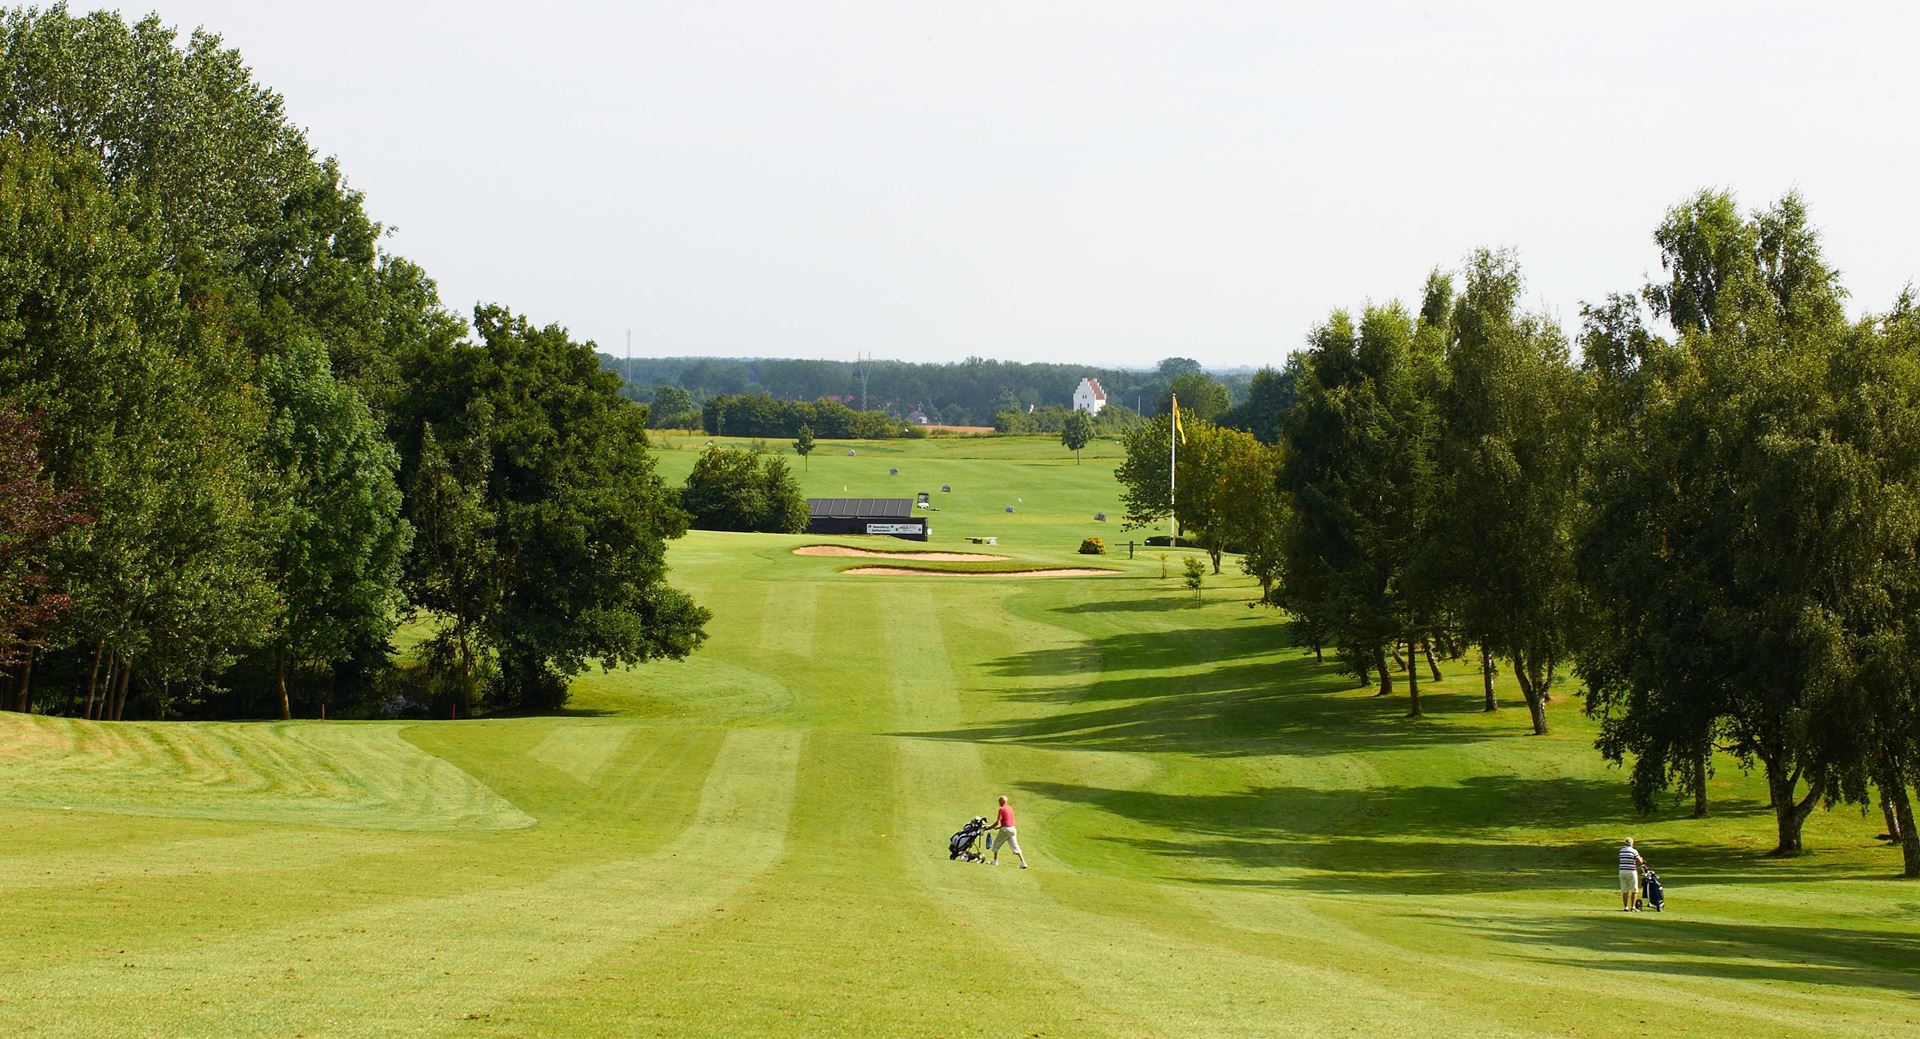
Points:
(1093, 547)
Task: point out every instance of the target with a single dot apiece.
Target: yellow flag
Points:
(1177, 431)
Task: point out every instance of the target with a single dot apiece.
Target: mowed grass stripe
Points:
(351, 775)
(787, 619)
(646, 800)
(836, 941)
(415, 965)
(942, 783)
(583, 750)
(170, 858)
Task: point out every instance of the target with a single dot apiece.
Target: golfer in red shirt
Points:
(1008, 836)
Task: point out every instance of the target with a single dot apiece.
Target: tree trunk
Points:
(1892, 781)
(99, 711)
(1398, 663)
(1700, 784)
(1909, 839)
(93, 678)
(286, 707)
(1366, 675)
(1386, 676)
(1486, 678)
(107, 686)
(120, 697)
(1529, 680)
(24, 699)
(1788, 815)
(1427, 648)
(466, 672)
(1413, 682)
(1318, 658)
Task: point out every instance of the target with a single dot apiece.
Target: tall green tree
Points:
(1076, 433)
(1867, 716)
(1254, 515)
(182, 124)
(163, 435)
(338, 563)
(1720, 541)
(452, 567)
(1360, 470)
(1509, 460)
(580, 517)
(451, 570)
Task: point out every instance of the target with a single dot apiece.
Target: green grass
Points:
(1227, 838)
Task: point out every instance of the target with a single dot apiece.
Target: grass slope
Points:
(1227, 838)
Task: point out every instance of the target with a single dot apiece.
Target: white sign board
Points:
(894, 528)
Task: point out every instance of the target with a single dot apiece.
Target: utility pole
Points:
(627, 371)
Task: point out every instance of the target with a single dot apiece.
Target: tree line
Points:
(240, 442)
(965, 393)
(760, 415)
(1709, 513)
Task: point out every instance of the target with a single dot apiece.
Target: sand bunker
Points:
(930, 557)
(901, 571)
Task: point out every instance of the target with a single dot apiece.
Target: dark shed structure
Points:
(892, 516)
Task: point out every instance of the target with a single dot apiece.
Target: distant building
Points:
(1089, 397)
(919, 418)
(889, 516)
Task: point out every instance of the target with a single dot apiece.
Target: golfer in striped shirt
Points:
(1630, 866)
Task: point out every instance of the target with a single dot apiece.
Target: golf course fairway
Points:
(1227, 838)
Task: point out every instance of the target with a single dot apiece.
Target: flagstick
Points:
(1173, 457)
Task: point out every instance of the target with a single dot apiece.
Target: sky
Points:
(1104, 183)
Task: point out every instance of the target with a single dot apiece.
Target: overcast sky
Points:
(1110, 182)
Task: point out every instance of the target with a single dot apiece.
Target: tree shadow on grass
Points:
(1168, 604)
(1487, 833)
(1211, 691)
(1266, 705)
(1714, 949)
(556, 712)
(1156, 650)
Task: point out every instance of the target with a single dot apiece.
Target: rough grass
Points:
(1227, 840)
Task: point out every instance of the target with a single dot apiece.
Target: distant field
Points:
(1054, 500)
(1227, 839)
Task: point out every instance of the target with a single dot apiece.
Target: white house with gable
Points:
(1089, 397)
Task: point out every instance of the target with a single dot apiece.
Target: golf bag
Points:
(965, 845)
(1655, 893)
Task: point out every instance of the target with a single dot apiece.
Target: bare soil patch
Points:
(901, 571)
(867, 553)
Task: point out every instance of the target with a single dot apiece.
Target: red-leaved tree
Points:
(32, 513)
